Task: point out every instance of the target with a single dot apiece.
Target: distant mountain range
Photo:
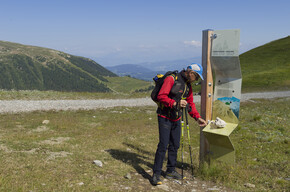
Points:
(264, 68)
(147, 70)
(24, 67)
(134, 70)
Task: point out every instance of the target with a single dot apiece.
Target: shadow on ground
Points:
(133, 159)
(138, 161)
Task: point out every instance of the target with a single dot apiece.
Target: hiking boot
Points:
(156, 179)
(173, 175)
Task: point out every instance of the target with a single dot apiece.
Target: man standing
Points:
(175, 94)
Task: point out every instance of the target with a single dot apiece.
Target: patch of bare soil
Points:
(54, 155)
(40, 129)
(55, 141)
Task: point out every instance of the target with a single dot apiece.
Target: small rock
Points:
(193, 190)
(128, 176)
(127, 188)
(98, 163)
(45, 122)
(128, 149)
(163, 187)
(178, 182)
(249, 185)
(149, 171)
(213, 189)
(81, 183)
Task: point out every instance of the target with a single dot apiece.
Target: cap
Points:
(196, 68)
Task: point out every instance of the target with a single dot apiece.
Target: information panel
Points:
(228, 78)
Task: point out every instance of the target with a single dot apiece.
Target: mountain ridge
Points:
(26, 67)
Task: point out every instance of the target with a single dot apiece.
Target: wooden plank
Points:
(206, 91)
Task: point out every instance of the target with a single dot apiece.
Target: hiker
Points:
(175, 94)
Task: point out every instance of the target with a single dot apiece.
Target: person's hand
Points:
(201, 122)
(183, 103)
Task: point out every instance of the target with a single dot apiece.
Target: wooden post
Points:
(206, 91)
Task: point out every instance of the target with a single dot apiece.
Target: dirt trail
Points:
(19, 106)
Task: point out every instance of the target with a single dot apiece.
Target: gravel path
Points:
(17, 106)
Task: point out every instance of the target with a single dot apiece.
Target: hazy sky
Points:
(133, 31)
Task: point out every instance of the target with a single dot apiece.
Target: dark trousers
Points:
(169, 138)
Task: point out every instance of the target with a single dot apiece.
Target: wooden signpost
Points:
(206, 90)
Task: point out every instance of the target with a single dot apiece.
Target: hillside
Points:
(267, 67)
(25, 67)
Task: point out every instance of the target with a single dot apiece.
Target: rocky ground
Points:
(189, 184)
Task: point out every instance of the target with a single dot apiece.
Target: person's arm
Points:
(192, 109)
(164, 92)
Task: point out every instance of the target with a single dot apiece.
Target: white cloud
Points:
(193, 43)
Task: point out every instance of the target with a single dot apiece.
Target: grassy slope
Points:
(29, 67)
(126, 84)
(123, 88)
(25, 67)
(267, 67)
(58, 156)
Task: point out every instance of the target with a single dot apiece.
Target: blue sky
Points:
(130, 31)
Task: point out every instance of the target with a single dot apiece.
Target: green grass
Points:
(127, 84)
(262, 149)
(267, 67)
(58, 156)
(123, 88)
(104, 134)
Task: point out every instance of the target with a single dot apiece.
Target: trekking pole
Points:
(182, 149)
(188, 136)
